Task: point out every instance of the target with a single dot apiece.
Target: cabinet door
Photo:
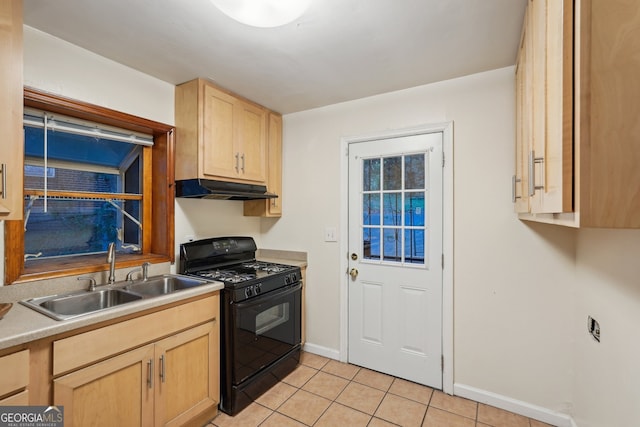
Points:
(551, 157)
(274, 181)
(11, 155)
(220, 157)
(115, 392)
(252, 142)
(270, 207)
(524, 100)
(188, 384)
(14, 378)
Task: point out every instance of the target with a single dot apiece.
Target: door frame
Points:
(447, 238)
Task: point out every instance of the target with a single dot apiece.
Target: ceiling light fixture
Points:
(263, 13)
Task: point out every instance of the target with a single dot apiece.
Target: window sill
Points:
(73, 266)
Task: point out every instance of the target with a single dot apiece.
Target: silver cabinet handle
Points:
(162, 376)
(514, 181)
(532, 173)
(237, 162)
(150, 373)
(3, 171)
(242, 157)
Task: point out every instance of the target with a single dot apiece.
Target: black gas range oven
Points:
(260, 319)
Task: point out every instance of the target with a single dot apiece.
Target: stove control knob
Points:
(258, 288)
(248, 292)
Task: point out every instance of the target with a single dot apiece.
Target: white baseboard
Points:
(321, 351)
(512, 405)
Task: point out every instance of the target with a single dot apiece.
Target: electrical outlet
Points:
(594, 328)
(330, 234)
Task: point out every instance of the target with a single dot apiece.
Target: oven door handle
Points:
(269, 296)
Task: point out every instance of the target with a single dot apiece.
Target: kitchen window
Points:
(91, 176)
(82, 187)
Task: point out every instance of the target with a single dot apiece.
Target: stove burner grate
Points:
(266, 266)
(228, 276)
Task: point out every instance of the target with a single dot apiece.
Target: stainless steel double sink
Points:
(80, 303)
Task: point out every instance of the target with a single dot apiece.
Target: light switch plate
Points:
(330, 234)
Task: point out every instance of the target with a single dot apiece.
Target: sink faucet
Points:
(111, 259)
(144, 268)
(92, 282)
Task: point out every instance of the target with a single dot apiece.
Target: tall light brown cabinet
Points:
(12, 150)
(577, 105)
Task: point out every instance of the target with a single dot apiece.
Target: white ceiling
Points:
(338, 50)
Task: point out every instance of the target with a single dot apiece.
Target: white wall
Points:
(512, 281)
(608, 289)
(53, 65)
(200, 219)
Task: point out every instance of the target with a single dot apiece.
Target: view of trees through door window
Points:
(394, 197)
(83, 187)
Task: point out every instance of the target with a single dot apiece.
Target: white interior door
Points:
(395, 256)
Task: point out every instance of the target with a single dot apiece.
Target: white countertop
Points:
(22, 324)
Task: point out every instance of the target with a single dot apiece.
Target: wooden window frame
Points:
(158, 198)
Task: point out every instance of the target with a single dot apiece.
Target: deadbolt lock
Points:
(354, 256)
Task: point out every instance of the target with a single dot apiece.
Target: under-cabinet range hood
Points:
(221, 190)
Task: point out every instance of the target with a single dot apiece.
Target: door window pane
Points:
(371, 209)
(392, 177)
(414, 209)
(371, 243)
(371, 175)
(392, 244)
(414, 169)
(392, 208)
(414, 243)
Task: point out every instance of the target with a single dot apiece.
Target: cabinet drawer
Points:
(15, 372)
(113, 339)
(18, 399)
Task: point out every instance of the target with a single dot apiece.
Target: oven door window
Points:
(266, 328)
(272, 318)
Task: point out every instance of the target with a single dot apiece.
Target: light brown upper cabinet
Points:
(577, 109)
(11, 155)
(219, 135)
(270, 207)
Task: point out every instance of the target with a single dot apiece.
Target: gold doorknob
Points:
(353, 273)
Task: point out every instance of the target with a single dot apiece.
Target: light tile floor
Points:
(322, 392)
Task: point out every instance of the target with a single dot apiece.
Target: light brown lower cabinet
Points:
(160, 369)
(14, 378)
(167, 383)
